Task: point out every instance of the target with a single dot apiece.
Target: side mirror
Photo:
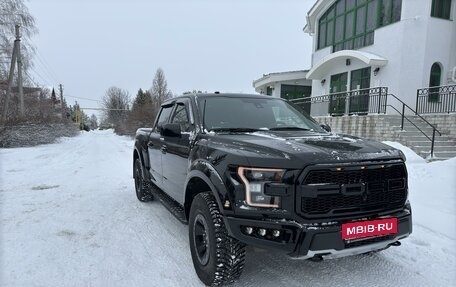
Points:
(171, 130)
(326, 127)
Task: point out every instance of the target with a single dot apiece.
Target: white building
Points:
(288, 85)
(403, 45)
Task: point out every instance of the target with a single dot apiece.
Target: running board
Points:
(173, 206)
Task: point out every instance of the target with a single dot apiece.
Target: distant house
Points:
(15, 90)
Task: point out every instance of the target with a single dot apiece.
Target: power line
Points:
(46, 73)
(103, 109)
(31, 79)
(45, 63)
(81, 98)
(39, 76)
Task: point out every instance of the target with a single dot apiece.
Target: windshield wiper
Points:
(235, 130)
(289, 129)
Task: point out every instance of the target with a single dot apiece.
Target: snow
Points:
(69, 217)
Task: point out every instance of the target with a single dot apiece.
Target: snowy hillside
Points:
(69, 217)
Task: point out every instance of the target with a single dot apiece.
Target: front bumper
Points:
(324, 240)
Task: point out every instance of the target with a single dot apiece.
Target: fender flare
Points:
(138, 149)
(204, 170)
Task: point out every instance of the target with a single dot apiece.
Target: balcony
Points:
(355, 102)
(433, 100)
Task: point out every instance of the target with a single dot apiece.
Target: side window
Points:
(164, 116)
(181, 117)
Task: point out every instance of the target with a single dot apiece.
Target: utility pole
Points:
(19, 72)
(10, 82)
(15, 59)
(61, 99)
(77, 113)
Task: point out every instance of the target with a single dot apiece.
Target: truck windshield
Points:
(247, 114)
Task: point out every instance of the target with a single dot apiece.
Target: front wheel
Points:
(140, 186)
(218, 258)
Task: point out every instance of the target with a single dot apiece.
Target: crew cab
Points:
(251, 169)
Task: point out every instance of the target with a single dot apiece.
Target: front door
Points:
(175, 160)
(359, 85)
(155, 147)
(338, 94)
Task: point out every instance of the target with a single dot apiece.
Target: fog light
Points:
(276, 233)
(262, 232)
(248, 230)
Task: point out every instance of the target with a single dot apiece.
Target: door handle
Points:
(163, 149)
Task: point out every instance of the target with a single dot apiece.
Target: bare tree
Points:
(159, 90)
(93, 122)
(116, 103)
(14, 12)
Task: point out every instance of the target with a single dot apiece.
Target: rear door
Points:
(155, 146)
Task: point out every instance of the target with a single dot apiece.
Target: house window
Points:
(434, 82)
(441, 9)
(291, 92)
(360, 79)
(350, 24)
(390, 12)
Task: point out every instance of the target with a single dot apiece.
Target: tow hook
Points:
(397, 243)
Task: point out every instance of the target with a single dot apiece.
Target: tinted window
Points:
(164, 115)
(181, 117)
(252, 113)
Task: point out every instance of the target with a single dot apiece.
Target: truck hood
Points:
(299, 148)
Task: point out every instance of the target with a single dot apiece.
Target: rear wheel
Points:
(218, 258)
(142, 192)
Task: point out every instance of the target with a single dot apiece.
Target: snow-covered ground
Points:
(69, 217)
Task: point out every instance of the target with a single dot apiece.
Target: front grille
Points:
(354, 176)
(353, 190)
(368, 241)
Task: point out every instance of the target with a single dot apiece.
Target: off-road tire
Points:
(141, 186)
(226, 255)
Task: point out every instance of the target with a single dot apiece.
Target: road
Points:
(69, 217)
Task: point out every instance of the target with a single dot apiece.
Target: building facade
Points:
(403, 45)
(288, 85)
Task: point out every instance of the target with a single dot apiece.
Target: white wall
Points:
(411, 46)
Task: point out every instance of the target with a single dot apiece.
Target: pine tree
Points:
(53, 97)
(142, 99)
(143, 112)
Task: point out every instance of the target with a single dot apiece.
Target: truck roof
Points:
(216, 94)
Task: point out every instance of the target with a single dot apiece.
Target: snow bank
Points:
(35, 134)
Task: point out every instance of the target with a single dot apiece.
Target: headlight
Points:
(254, 180)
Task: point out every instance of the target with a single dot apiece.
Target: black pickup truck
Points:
(251, 169)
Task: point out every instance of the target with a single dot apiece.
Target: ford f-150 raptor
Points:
(251, 169)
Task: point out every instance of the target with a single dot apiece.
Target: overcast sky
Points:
(209, 45)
